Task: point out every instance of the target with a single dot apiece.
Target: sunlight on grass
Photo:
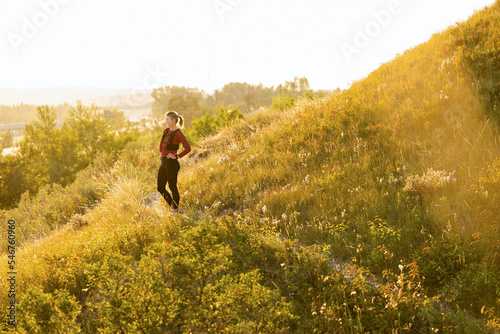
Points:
(375, 209)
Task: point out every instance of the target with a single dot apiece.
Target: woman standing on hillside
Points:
(169, 168)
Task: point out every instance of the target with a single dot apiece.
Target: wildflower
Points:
(264, 209)
(401, 267)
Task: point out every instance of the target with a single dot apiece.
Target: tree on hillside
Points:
(297, 87)
(202, 127)
(287, 94)
(54, 155)
(226, 116)
(189, 107)
(191, 103)
(115, 118)
(13, 181)
(244, 96)
(40, 149)
(85, 133)
(209, 124)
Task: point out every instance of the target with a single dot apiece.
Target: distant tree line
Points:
(24, 113)
(206, 114)
(193, 103)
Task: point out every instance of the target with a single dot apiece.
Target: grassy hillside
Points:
(375, 210)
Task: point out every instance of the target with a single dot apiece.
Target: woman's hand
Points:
(171, 156)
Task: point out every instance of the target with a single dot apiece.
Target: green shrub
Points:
(43, 313)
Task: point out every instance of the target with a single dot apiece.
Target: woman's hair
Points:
(178, 118)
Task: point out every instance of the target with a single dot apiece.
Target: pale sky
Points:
(209, 43)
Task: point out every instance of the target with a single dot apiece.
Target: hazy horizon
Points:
(58, 95)
(207, 44)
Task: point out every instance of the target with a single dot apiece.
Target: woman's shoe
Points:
(175, 211)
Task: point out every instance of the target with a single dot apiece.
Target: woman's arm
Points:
(185, 145)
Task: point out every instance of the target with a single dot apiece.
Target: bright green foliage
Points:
(54, 155)
(199, 279)
(290, 92)
(226, 116)
(47, 313)
(42, 150)
(187, 284)
(209, 124)
(85, 133)
(129, 302)
(283, 102)
(12, 180)
(53, 207)
(212, 296)
(202, 127)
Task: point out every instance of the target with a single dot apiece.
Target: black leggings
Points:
(168, 171)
